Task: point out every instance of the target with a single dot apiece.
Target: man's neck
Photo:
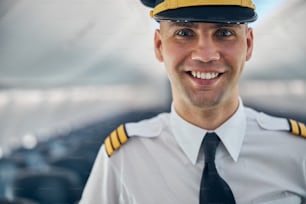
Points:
(207, 118)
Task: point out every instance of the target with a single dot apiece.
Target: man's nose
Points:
(205, 50)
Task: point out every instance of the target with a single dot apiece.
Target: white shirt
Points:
(162, 162)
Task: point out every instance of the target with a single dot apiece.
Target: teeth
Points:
(202, 75)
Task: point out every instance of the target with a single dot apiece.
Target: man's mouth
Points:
(204, 75)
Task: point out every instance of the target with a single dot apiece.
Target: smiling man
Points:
(204, 62)
(210, 149)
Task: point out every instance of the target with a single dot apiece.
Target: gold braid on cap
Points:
(174, 4)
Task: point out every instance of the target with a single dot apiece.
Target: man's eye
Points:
(184, 33)
(224, 33)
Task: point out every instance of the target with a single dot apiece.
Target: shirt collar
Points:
(190, 137)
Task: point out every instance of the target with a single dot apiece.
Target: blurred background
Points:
(71, 71)
(275, 78)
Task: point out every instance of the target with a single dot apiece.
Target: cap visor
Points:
(213, 14)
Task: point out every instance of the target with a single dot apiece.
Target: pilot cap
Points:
(214, 11)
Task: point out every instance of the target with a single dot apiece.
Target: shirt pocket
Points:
(280, 198)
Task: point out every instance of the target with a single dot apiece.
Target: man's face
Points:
(204, 61)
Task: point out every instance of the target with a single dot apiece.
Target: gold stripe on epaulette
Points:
(294, 127)
(122, 134)
(108, 146)
(297, 128)
(303, 129)
(114, 141)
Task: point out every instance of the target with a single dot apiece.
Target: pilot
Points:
(210, 148)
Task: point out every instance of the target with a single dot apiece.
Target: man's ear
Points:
(250, 43)
(158, 45)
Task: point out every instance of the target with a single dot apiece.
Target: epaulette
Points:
(297, 128)
(114, 141)
(281, 124)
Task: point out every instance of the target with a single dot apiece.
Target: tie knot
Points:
(210, 144)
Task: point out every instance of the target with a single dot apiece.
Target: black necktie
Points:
(214, 190)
